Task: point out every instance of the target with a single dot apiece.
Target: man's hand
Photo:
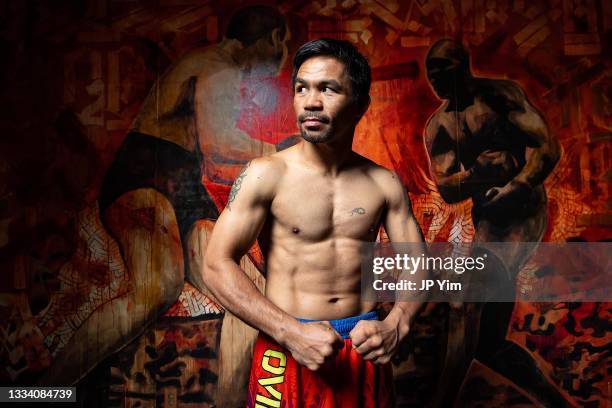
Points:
(513, 195)
(315, 343)
(374, 340)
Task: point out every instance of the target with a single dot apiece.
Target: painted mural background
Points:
(97, 285)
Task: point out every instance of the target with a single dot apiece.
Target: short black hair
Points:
(252, 23)
(356, 64)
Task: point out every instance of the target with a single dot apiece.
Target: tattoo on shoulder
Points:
(358, 210)
(236, 186)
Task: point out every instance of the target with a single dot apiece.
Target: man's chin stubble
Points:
(321, 138)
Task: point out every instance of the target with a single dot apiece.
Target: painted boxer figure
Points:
(488, 143)
(311, 207)
(186, 130)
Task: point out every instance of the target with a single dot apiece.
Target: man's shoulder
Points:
(258, 179)
(267, 168)
(390, 186)
(387, 180)
(384, 176)
(503, 92)
(435, 120)
(210, 53)
(440, 111)
(201, 63)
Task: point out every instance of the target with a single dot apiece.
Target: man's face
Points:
(442, 74)
(323, 100)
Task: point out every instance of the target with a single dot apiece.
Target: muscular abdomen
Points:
(319, 280)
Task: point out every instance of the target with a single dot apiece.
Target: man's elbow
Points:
(210, 272)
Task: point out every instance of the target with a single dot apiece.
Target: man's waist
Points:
(345, 325)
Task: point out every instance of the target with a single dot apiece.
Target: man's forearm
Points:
(543, 148)
(235, 291)
(540, 163)
(408, 303)
(402, 315)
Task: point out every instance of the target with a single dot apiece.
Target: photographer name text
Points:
(425, 285)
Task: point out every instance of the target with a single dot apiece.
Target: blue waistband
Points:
(344, 326)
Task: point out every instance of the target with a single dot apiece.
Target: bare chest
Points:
(319, 208)
(474, 130)
(471, 125)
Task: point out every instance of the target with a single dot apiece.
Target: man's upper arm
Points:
(530, 122)
(245, 213)
(441, 150)
(399, 221)
(522, 114)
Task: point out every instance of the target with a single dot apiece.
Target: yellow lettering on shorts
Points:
(268, 401)
(269, 382)
(282, 362)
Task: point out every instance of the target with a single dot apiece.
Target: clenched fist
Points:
(313, 344)
(375, 340)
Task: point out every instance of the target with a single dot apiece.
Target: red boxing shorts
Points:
(347, 380)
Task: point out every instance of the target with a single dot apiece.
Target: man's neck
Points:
(327, 157)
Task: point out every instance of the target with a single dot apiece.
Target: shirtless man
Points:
(153, 203)
(186, 132)
(488, 143)
(188, 122)
(312, 207)
(195, 104)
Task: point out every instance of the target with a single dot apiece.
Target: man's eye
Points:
(300, 89)
(328, 89)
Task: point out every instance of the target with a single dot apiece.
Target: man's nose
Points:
(313, 101)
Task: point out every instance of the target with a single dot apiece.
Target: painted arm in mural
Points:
(542, 148)
(217, 110)
(378, 340)
(455, 182)
(235, 231)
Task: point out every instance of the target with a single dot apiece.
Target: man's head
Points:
(264, 34)
(447, 62)
(331, 85)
